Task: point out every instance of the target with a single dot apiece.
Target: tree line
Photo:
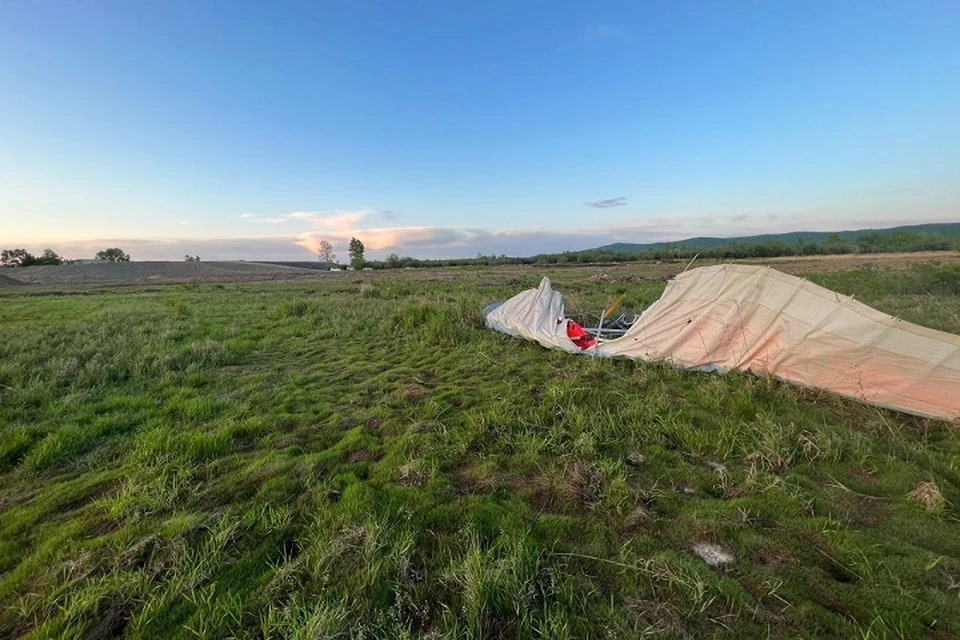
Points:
(23, 258)
(899, 241)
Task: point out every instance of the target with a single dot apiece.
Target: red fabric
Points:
(580, 336)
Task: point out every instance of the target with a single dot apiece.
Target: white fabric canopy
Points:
(758, 319)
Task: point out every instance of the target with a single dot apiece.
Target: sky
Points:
(252, 130)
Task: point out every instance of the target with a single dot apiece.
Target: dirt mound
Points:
(6, 281)
(120, 273)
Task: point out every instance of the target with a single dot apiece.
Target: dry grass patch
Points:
(928, 494)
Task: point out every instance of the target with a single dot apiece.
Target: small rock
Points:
(712, 554)
(687, 491)
(719, 468)
(635, 459)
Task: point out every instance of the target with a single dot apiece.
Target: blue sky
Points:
(246, 130)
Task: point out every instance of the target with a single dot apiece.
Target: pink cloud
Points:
(336, 219)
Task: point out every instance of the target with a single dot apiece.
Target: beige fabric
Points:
(758, 319)
(535, 314)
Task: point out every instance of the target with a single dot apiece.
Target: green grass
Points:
(365, 460)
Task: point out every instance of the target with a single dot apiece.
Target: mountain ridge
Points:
(945, 229)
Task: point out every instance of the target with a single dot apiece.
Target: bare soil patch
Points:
(139, 273)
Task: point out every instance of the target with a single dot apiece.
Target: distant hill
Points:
(947, 230)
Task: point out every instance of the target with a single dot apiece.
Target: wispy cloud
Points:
(335, 219)
(252, 217)
(340, 219)
(610, 202)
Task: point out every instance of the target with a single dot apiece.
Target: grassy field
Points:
(350, 459)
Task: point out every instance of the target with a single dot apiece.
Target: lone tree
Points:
(356, 254)
(49, 257)
(325, 251)
(113, 255)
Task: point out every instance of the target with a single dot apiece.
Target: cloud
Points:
(335, 219)
(389, 214)
(185, 223)
(340, 219)
(407, 238)
(249, 217)
(611, 202)
(739, 217)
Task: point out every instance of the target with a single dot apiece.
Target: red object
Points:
(580, 336)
